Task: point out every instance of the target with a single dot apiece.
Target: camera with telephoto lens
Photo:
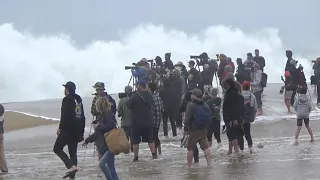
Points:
(134, 66)
(194, 57)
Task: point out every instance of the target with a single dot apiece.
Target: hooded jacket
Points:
(256, 81)
(72, 118)
(302, 106)
(233, 106)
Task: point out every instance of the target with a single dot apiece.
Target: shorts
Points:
(197, 136)
(234, 132)
(299, 121)
(142, 134)
(288, 95)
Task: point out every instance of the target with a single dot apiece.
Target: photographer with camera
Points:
(142, 70)
(140, 104)
(193, 76)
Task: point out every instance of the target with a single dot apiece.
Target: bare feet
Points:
(312, 140)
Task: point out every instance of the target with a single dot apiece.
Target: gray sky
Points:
(89, 20)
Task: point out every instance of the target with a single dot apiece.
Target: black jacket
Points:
(140, 105)
(72, 115)
(171, 95)
(233, 106)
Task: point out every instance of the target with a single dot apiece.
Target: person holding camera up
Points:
(142, 70)
(71, 128)
(140, 103)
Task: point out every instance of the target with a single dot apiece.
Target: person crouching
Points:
(105, 124)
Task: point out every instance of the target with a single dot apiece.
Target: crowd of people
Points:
(163, 91)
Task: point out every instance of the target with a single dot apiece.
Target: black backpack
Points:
(249, 113)
(264, 80)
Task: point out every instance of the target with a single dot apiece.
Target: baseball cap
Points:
(214, 91)
(142, 83)
(128, 89)
(196, 92)
(99, 85)
(70, 85)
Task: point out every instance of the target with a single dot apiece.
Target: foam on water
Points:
(34, 67)
(32, 115)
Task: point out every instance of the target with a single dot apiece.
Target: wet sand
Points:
(17, 121)
(29, 152)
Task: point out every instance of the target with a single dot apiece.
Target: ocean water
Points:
(34, 67)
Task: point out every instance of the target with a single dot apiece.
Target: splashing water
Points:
(34, 67)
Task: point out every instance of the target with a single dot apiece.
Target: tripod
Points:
(134, 80)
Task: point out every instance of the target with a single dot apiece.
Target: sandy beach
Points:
(17, 121)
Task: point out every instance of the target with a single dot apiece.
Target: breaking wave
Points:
(34, 67)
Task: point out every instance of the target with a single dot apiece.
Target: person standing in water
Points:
(214, 104)
(303, 106)
(3, 162)
(71, 128)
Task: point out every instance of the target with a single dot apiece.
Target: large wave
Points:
(34, 67)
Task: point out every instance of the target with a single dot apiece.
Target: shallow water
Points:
(30, 156)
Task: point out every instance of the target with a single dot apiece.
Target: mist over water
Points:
(35, 67)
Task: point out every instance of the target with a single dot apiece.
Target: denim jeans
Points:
(107, 166)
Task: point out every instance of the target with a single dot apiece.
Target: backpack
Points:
(249, 113)
(202, 116)
(264, 80)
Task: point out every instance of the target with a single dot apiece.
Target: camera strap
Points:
(143, 100)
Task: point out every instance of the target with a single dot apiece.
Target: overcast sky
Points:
(89, 20)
